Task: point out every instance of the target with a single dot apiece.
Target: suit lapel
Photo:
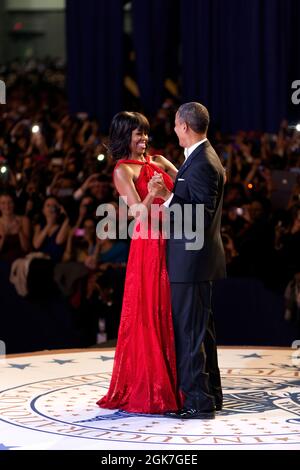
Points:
(191, 157)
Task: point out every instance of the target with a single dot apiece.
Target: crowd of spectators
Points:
(55, 171)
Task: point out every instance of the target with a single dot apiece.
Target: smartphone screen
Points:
(79, 232)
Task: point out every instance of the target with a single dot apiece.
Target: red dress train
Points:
(144, 373)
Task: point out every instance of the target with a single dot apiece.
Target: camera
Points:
(55, 210)
(60, 215)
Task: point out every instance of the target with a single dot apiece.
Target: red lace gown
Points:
(144, 373)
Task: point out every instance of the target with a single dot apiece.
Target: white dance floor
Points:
(48, 401)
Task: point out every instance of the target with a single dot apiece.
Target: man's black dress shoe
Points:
(190, 413)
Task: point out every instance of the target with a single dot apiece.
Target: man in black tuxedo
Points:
(200, 180)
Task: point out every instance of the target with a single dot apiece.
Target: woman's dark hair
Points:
(121, 128)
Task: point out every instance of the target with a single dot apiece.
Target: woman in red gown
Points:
(144, 372)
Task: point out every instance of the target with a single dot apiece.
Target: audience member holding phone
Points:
(82, 242)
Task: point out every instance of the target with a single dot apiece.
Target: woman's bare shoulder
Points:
(122, 170)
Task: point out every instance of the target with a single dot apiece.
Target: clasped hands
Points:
(157, 187)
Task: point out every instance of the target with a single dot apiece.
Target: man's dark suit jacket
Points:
(199, 181)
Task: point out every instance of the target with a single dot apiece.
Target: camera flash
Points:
(35, 129)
